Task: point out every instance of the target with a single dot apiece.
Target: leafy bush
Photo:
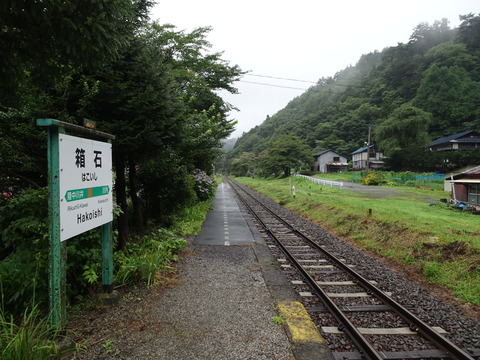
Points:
(147, 259)
(373, 178)
(189, 220)
(24, 252)
(308, 172)
(24, 249)
(166, 187)
(204, 185)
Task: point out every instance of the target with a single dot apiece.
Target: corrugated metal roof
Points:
(475, 171)
(472, 171)
(362, 149)
(326, 151)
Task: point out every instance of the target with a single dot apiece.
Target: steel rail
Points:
(358, 339)
(415, 323)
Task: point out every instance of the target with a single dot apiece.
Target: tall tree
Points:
(137, 102)
(159, 101)
(44, 38)
(49, 45)
(244, 164)
(450, 95)
(284, 153)
(426, 36)
(406, 127)
(469, 31)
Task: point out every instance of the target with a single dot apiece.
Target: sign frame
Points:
(58, 253)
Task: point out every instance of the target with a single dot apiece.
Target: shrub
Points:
(166, 187)
(24, 252)
(373, 179)
(308, 172)
(147, 259)
(204, 185)
(24, 249)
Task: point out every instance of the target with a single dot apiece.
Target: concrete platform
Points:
(225, 224)
(228, 231)
(220, 305)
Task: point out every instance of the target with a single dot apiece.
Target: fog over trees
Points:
(408, 94)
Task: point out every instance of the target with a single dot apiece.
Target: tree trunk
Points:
(121, 193)
(137, 207)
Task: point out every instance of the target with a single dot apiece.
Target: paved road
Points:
(374, 191)
(379, 192)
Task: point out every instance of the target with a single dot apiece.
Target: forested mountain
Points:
(407, 94)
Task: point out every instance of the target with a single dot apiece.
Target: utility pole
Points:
(368, 149)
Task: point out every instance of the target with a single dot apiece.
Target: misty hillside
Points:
(407, 94)
(228, 144)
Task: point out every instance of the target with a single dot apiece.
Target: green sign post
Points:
(56, 131)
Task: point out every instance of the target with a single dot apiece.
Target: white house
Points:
(329, 161)
(369, 155)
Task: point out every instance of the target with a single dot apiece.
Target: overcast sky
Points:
(302, 40)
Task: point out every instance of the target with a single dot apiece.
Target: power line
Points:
(272, 85)
(281, 78)
(323, 86)
(298, 80)
(290, 87)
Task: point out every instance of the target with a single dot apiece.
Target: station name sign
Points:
(86, 199)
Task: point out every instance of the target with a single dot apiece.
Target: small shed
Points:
(329, 161)
(466, 187)
(367, 155)
(447, 184)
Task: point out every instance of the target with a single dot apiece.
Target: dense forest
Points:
(408, 95)
(150, 85)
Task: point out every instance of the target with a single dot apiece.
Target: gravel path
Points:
(218, 308)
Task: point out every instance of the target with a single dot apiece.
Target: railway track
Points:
(353, 313)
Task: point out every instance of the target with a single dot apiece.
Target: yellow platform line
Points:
(300, 325)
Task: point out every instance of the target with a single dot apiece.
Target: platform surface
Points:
(225, 224)
(227, 291)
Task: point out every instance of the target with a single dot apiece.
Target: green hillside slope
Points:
(407, 94)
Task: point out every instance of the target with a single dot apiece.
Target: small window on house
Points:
(474, 193)
(336, 158)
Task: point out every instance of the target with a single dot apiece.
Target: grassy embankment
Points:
(434, 240)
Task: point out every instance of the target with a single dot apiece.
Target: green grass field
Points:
(412, 228)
